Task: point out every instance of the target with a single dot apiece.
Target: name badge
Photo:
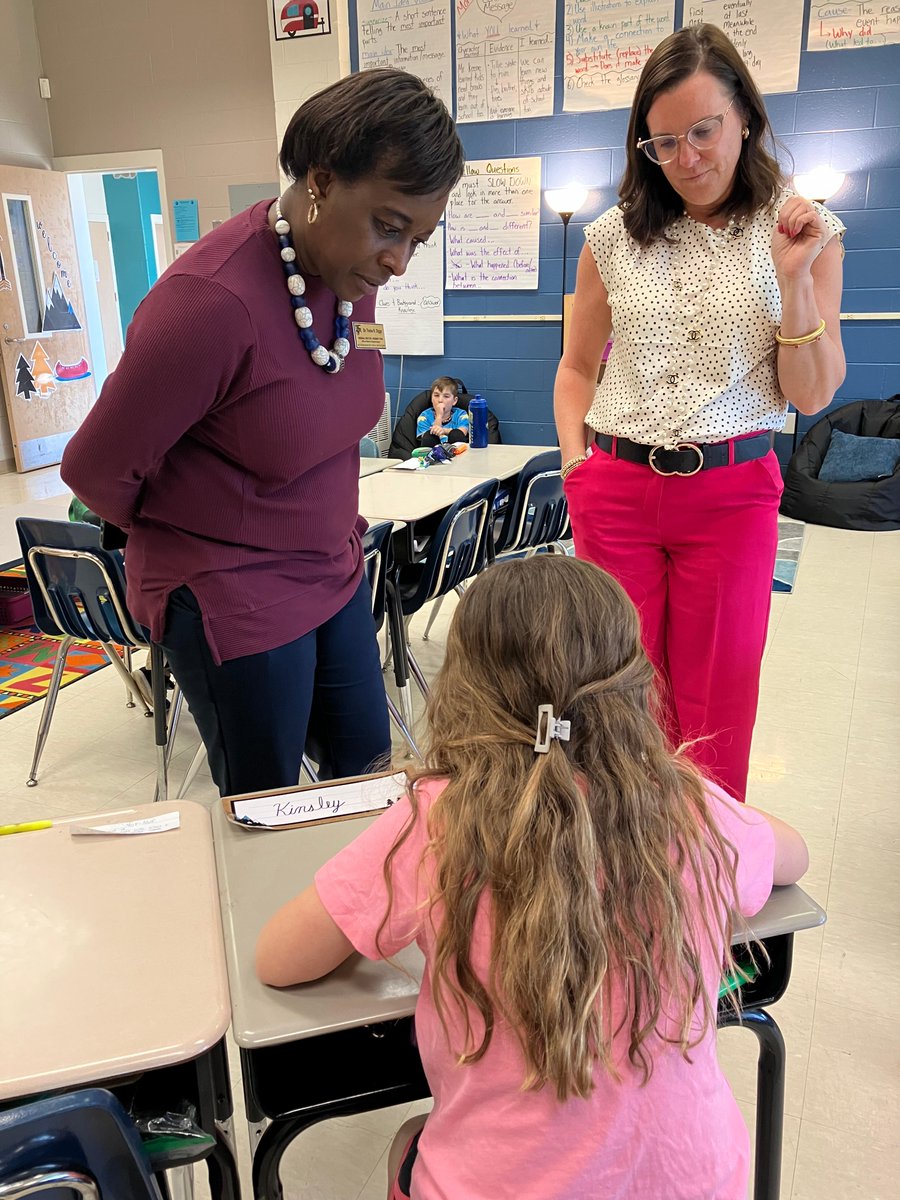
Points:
(368, 336)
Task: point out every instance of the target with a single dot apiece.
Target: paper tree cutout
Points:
(58, 312)
(25, 386)
(42, 371)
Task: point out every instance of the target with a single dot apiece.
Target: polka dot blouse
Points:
(693, 327)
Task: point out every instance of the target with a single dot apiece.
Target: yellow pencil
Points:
(25, 827)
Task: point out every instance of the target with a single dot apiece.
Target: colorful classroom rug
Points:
(787, 557)
(27, 658)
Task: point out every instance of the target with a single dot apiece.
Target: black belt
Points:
(687, 458)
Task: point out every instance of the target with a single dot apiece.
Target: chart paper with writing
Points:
(504, 59)
(493, 226)
(413, 35)
(607, 43)
(766, 32)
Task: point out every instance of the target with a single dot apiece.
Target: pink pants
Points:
(696, 555)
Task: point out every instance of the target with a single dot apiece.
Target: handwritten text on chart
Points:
(607, 43)
(504, 59)
(766, 32)
(852, 25)
(413, 35)
(493, 222)
(411, 307)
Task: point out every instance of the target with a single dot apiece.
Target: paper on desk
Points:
(408, 464)
(161, 824)
(322, 803)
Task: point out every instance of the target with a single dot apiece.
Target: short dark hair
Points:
(648, 200)
(382, 123)
(445, 383)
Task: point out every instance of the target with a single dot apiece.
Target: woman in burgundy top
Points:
(226, 442)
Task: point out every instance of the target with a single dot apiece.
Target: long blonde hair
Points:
(583, 851)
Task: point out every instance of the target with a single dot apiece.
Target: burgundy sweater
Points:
(230, 458)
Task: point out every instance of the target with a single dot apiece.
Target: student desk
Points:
(344, 1044)
(338, 1046)
(114, 971)
(372, 466)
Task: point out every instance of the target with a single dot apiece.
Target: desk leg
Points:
(214, 1087)
(398, 647)
(770, 1073)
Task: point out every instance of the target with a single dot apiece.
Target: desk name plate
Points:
(337, 800)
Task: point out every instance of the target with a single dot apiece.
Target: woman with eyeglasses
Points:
(721, 290)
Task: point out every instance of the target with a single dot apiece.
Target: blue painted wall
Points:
(846, 113)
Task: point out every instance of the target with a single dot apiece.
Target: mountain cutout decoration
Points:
(58, 312)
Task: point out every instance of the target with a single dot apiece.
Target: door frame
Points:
(124, 160)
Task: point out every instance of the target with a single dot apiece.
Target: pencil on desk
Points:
(25, 827)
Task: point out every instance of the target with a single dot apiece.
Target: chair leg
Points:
(417, 673)
(172, 718)
(129, 691)
(432, 617)
(196, 764)
(49, 705)
(310, 770)
(160, 723)
(402, 726)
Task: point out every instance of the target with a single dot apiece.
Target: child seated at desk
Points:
(444, 421)
(572, 884)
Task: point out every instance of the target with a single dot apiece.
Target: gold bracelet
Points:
(801, 341)
(567, 468)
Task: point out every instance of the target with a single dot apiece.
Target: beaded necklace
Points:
(331, 361)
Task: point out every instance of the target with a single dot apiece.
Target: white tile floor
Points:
(825, 757)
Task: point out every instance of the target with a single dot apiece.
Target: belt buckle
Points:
(678, 446)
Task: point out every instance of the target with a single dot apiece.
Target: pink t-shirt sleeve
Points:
(352, 885)
(754, 839)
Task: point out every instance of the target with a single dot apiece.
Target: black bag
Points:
(870, 504)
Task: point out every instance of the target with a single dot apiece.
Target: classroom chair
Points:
(80, 1142)
(460, 548)
(376, 556)
(78, 594)
(535, 518)
(368, 448)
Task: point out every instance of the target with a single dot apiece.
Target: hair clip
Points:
(554, 728)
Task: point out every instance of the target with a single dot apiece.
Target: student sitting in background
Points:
(573, 885)
(443, 422)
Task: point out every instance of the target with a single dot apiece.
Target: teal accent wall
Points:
(129, 205)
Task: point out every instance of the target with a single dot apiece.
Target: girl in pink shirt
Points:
(572, 885)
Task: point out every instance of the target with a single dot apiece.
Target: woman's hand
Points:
(797, 239)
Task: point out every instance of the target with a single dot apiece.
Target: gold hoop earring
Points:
(312, 213)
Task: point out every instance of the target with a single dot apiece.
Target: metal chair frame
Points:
(164, 727)
(443, 573)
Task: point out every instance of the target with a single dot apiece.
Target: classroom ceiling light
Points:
(566, 200)
(819, 184)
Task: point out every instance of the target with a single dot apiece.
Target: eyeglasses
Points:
(702, 136)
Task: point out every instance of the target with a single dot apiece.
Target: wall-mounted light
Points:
(819, 184)
(565, 201)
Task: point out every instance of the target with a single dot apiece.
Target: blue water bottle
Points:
(478, 430)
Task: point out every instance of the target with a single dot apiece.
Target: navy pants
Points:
(257, 714)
